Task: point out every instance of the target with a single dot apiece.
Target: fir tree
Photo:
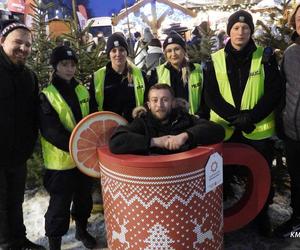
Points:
(201, 51)
(39, 63)
(41, 46)
(276, 33)
(89, 60)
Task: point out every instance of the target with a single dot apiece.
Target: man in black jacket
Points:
(242, 88)
(291, 124)
(18, 131)
(164, 129)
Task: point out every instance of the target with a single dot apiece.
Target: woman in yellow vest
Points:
(63, 103)
(243, 88)
(183, 76)
(119, 86)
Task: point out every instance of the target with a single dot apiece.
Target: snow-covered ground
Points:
(34, 208)
(36, 203)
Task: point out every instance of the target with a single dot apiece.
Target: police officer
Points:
(119, 86)
(242, 88)
(183, 76)
(63, 103)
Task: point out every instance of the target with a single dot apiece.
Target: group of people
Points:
(181, 105)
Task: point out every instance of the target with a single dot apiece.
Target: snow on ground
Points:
(34, 209)
(36, 203)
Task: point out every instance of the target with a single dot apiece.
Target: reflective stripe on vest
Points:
(55, 158)
(253, 91)
(138, 81)
(195, 84)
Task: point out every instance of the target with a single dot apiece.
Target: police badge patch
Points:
(241, 19)
(116, 43)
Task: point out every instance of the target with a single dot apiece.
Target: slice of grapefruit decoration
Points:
(90, 133)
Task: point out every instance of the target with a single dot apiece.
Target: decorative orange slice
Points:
(92, 132)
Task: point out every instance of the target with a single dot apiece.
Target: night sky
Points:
(107, 7)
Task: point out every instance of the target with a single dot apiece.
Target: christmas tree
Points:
(200, 50)
(42, 45)
(39, 63)
(89, 60)
(276, 32)
(158, 238)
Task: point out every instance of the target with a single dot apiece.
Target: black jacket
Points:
(238, 66)
(18, 110)
(50, 126)
(135, 137)
(119, 95)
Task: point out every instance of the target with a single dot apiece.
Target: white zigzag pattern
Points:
(130, 189)
(153, 200)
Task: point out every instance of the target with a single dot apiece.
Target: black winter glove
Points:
(242, 121)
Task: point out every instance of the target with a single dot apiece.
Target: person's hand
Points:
(159, 142)
(242, 121)
(174, 142)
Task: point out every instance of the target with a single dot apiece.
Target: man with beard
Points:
(18, 131)
(166, 127)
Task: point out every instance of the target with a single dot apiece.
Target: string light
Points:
(223, 8)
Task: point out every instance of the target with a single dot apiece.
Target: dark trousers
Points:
(292, 158)
(66, 187)
(12, 186)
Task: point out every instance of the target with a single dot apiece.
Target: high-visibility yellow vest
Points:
(55, 158)
(138, 82)
(194, 84)
(253, 92)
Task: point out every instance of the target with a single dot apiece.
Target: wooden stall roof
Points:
(138, 5)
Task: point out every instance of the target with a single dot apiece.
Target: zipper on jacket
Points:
(240, 89)
(174, 122)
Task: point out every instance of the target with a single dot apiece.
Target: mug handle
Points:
(257, 187)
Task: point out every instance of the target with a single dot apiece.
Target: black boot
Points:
(54, 243)
(82, 235)
(29, 245)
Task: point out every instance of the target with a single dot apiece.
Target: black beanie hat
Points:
(240, 16)
(116, 40)
(62, 53)
(7, 26)
(174, 37)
